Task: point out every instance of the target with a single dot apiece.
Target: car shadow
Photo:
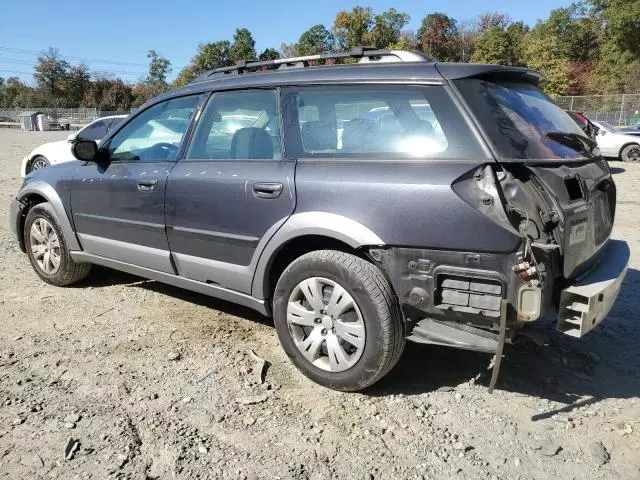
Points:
(603, 364)
(615, 170)
(575, 372)
(104, 277)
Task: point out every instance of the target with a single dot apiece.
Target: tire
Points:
(630, 153)
(37, 163)
(41, 223)
(375, 315)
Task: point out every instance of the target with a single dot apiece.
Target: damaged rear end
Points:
(549, 186)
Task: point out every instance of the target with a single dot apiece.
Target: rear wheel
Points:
(630, 153)
(338, 320)
(37, 163)
(47, 248)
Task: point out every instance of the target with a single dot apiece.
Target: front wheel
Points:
(37, 163)
(630, 153)
(338, 320)
(47, 248)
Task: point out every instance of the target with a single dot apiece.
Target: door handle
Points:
(267, 190)
(147, 184)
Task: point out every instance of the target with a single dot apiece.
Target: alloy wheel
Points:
(45, 246)
(38, 164)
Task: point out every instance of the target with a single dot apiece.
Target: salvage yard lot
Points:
(117, 364)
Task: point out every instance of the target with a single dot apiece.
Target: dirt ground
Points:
(96, 364)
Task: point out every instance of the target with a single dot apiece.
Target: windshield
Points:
(523, 123)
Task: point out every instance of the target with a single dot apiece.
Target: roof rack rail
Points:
(364, 54)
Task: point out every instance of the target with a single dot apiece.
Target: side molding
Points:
(175, 280)
(49, 193)
(298, 225)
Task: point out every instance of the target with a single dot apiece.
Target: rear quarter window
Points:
(376, 121)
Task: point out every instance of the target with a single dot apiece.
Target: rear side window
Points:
(523, 123)
(378, 121)
(239, 125)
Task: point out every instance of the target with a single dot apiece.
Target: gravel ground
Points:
(113, 369)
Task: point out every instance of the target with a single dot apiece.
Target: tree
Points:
(501, 45)
(212, 55)
(186, 76)
(243, 46)
(493, 19)
(159, 68)
(544, 52)
(387, 27)
(353, 28)
(287, 50)
(51, 71)
(269, 54)
(118, 97)
(438, 37)
(619, 52)
(406, 41)
(494, 46)
(106, 93)
(314, 41)
(10, 90)
(75, 85)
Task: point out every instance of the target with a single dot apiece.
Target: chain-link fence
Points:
(622, 109)
(76, 116)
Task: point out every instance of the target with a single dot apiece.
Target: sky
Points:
(115, 36)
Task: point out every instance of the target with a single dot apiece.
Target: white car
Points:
(616, 144)
(58, 152)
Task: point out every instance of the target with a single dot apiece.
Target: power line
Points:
(16, 71)
(71, 57)
(26, 62)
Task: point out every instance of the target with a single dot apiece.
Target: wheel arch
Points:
(40, 192)
(303, 233)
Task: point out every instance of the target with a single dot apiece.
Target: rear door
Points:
(118, 211)
(232, 190)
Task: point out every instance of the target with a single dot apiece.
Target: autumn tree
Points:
(438, 37)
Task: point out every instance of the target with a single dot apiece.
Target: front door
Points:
(118, 211)
(232, 190)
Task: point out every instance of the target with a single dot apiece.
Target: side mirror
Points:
(71, 137)
(86, 150)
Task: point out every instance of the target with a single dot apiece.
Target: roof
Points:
(424, 72)
(28, 113)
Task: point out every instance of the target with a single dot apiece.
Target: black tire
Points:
(630, 153)
(384, 326)
(38, 162)
(68, 271)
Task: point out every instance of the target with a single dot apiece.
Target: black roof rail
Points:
(364, 54)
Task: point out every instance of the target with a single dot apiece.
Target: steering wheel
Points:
(162, 150)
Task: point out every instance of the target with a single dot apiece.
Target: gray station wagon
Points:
(362, 204)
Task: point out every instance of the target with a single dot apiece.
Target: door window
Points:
(239, 125)
(156, 134)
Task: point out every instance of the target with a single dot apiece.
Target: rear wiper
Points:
(575, 141)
